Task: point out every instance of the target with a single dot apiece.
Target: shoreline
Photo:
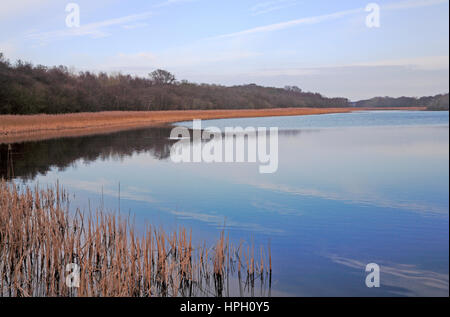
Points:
(23, 128)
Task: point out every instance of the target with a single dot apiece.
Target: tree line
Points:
(438, 102)
(29, 89)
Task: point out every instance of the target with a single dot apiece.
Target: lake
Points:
(350, 189)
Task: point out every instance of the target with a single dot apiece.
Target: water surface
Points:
(350, 189)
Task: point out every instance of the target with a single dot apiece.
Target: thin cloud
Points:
(352, 198)
(134, 26)
(423, 63)
(292, 23)
(220, 220)
(13, 9)
(95, 29)
(404, 279)
(409, 4)
(109, 188)
(270, 6)
(427, 62)
(171, 2)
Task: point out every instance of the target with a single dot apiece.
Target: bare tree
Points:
(162, 77)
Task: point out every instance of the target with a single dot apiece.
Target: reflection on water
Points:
(29, 159)
(351, 189)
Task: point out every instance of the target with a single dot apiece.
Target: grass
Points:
(17, 128)
(39, 237)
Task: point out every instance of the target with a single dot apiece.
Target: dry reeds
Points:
(40, 239)
(15, 128)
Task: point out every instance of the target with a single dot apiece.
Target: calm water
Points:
(350, 189)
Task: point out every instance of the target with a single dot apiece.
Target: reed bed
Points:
(28, 123)
(18, 128)
(40, 239)
(21, 128)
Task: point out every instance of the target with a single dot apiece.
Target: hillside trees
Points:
(29, 89)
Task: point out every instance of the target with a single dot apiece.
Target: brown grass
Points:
(39, 237)
(16, 128)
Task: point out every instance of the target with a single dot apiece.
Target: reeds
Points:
(39, 238)
(15, 128)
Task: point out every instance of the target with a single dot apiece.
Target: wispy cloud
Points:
(269, 6)
(426, 63)
(219, 221)
(404, 279)
(11, 9)
(171, 2)
(100, 29)
(134, 25)
(95, 29)
(109, 188)
(421, 63)
(408, 4)
(291, 23)
(177, 60)
(351, 198)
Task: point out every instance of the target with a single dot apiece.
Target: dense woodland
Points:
(30, 89)
(438, 102)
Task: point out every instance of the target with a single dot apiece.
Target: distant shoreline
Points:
(22, 128)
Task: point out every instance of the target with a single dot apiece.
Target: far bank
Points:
(20, 128)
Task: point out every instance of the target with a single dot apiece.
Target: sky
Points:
(321, 46)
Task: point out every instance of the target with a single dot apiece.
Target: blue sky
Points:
(322, 45)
